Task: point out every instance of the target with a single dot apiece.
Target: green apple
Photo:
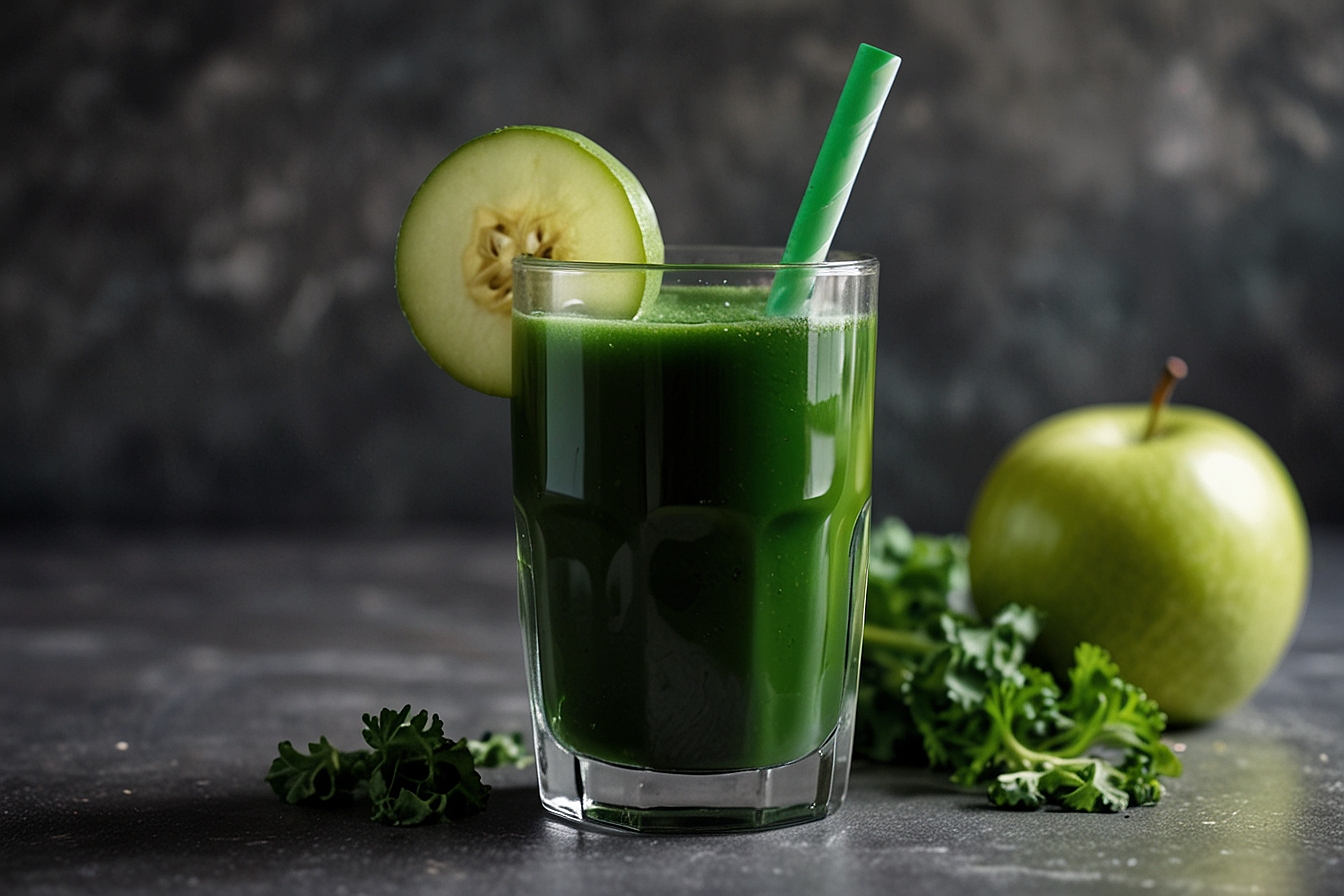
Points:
(538, 191)
(1181, 548)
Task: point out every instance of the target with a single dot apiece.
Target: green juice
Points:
(690, 486)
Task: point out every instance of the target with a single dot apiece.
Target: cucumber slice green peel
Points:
(518, 190)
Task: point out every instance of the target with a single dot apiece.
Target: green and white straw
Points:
(842, 151)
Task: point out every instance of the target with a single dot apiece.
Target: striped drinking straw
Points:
(837, 165)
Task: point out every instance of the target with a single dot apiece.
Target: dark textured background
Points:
(199, 200)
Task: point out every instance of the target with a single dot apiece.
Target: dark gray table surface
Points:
(144, 683)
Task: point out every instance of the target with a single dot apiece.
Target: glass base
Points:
(632, 799)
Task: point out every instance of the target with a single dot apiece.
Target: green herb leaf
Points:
(322, 775)
(412, 774)
(910, 581)
(494, 750)
(935, 680)
(411, 756)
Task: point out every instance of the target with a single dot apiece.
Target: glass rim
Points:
(837, 262)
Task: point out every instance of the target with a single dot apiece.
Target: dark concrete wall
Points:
(199, 202)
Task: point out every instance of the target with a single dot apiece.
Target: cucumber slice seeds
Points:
(518, 190)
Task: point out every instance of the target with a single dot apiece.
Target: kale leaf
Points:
(494, 750)
(411, 774)
(417, 775)
(936, 681)
(322, 775)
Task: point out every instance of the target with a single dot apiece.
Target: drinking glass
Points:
(691, 488)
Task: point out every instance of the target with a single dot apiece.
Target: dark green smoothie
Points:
(687, 496)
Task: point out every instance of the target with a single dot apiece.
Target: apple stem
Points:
(1172, 373)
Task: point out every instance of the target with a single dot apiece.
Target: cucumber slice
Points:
(534, 190)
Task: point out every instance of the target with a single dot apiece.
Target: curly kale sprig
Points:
(935, 681)
(416, 775)
(412, 774)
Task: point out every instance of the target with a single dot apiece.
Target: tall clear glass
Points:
(692, 492)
